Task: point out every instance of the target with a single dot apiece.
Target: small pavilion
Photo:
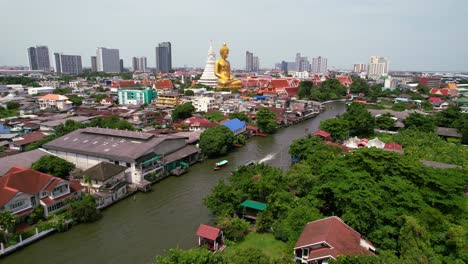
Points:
(211, 237)
(250, 209)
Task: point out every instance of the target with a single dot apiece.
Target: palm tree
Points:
(87, 180)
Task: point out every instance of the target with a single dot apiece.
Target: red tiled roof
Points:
(52, 184)
(444, 91)
(332, 230)
(198, 122)
(208, 232)
(29, 138)
(53, 97)
(75, 185)
(435, 99)
(164, 84)
(25, 212)
(48, 201)
(393, 146)
(322, 133)
(19, 179)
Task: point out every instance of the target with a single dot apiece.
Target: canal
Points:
(138, 228)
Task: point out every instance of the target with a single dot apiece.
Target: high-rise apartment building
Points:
(302, 63)
(319, 65)
(359, 67)
(107, 60)
(139, 64)
(378, 67)
(67, 64)
(39, 58)
(164, 57)
(249, 61)
(121, 64)
(93, 64)
(255, 64)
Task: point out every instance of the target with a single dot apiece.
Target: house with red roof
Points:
(444, 91)
(328, 238)
(164, 84)
(198, 124)
(22, 190)
(211, 237)
(54, 102)
(283, 87)
(345, 80)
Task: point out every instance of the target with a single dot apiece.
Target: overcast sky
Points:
(413, 34)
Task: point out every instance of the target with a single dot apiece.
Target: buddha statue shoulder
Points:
(223, 71)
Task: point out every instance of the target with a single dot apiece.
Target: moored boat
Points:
(221, 164)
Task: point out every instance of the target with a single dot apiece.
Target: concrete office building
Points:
(164, 57)
(39, 58)
(359, 67)
(139, 64)
(249, 61)
(256, 64)
(107, 60)
(319, 65)
(67, 64)
(378, 67)
(93, 64)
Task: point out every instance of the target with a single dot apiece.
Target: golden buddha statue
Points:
(223, 71)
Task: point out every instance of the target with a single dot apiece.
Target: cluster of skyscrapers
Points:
(252, 63)
(319, 65)
(106, 60)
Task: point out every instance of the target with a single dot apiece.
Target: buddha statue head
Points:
(224, 51)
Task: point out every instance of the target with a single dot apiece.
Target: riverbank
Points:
(165, 218)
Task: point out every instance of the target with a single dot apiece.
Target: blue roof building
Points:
(236, 126)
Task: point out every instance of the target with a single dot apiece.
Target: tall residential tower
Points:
(107, 60)
(39, 58)
(164, 57)
(378, 67)
(67, 64)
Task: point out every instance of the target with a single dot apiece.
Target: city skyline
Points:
(417, 37)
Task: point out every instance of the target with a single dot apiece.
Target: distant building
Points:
(205, 104)
(431, 82)
(107, 60)
(164, 57)
(54, 102)
(319, 65)
(93, 64)
(40, 90)
(67, 64)
(360, 67)
(39, 58)
(256, 64)
(302, 63)
(137, 96)
(378, 67)
(121, 64)
(284, 67)
(167, 100)
(139, 64)
(249, 61)
(208, 77)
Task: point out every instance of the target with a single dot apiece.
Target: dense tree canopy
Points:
(359, 86)
(54, 166)
(215, 116)
(266, 121)
(12, 105)
(385, 121)
(420, 122)
(330, 89)
(183, 111)
(239, 115)
(337, 127)
(216, 141)
(83, 210)
(361, 122)
(305, 89)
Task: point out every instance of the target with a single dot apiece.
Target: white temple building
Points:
(208, 77)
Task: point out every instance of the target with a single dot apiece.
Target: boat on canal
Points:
(220, 165)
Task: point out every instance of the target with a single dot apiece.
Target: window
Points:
(33, 201)
(128, 165)
(16, 204)
(56, 206)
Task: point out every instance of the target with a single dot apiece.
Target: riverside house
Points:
(22, 190)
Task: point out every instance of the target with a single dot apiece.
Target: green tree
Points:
(215, 116)
(216, 141)
(234, 228)
(385, 121)
(36, 215)
(75, 99)
(448, 117)
(239, 115)
(183, 111)
(7, 224)
(423, 89)
(337, 127)
(359, 86)
(399, 107)
(420, 122)
(12, 105)
(266, 121)
(83, 210)
(189, 93)
(360, 120)
(192, 256)
(239, 139)
(305, 89)
(53, 165)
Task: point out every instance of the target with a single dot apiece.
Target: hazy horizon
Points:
(414, 35)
